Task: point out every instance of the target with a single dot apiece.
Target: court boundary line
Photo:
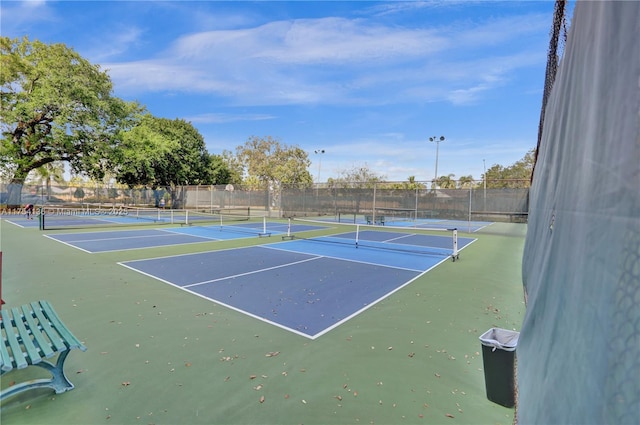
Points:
(52, 237)
(68, 244)
(342, 259)
(129, 237)
(314, 258)
(17, 224)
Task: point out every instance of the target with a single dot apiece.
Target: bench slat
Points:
(12, 340)
(33, 355)
(40, 340)
(5, 358)
(63, 331)
(56, 342)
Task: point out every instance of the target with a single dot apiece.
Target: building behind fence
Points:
(384, 199)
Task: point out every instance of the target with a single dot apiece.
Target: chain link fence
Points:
(393, 200)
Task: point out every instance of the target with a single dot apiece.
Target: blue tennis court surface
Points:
(118, 240)
(305, 287)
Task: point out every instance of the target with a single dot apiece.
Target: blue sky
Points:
(367, 82)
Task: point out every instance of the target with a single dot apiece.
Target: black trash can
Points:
(498, 356)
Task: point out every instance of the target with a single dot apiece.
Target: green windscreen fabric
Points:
(579, 346)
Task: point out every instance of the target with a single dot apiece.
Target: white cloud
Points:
(18, 16)
(333, 60)
(121, 39)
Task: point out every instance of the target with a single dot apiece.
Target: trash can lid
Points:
(500, 338)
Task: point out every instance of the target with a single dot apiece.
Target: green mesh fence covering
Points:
(579, 347)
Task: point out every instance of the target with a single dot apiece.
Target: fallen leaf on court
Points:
(258, 387)
(390, 348)
(412, 354)
(437, 375)
(253, 376)
(188, 364)
(261, 399)
(449, 415)
(272, 354)
(286, 396)
(339, 397)
(304, 401)
(227, 378)
(355, 394)
(126, 383)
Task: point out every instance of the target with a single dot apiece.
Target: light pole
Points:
(318, 152)
(437, 140)
(484, 177)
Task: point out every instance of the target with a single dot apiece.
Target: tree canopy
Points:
(270, 162)
(358, 177)
(159, 152)
(55, 106)
(517, 175)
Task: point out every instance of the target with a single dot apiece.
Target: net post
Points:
(186, 217)
(454, 256)
(357, 234)
(41, 219)
(264, 225)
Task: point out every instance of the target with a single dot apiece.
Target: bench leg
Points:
(58, 380)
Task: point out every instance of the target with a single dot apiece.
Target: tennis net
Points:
(55, 218)
(234, 223)
(378, 216)
(434, 242)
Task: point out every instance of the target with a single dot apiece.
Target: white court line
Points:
(340, 258)
(68, 244)
(251, 272)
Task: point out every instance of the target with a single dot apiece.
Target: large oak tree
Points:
(55, 106)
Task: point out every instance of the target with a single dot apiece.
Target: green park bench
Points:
(30, 334)
(378, 220)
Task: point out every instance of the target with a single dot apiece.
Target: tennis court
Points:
(416, 350)
(305, 286)
(119, 240)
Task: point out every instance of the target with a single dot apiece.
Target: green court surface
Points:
(159, 355)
